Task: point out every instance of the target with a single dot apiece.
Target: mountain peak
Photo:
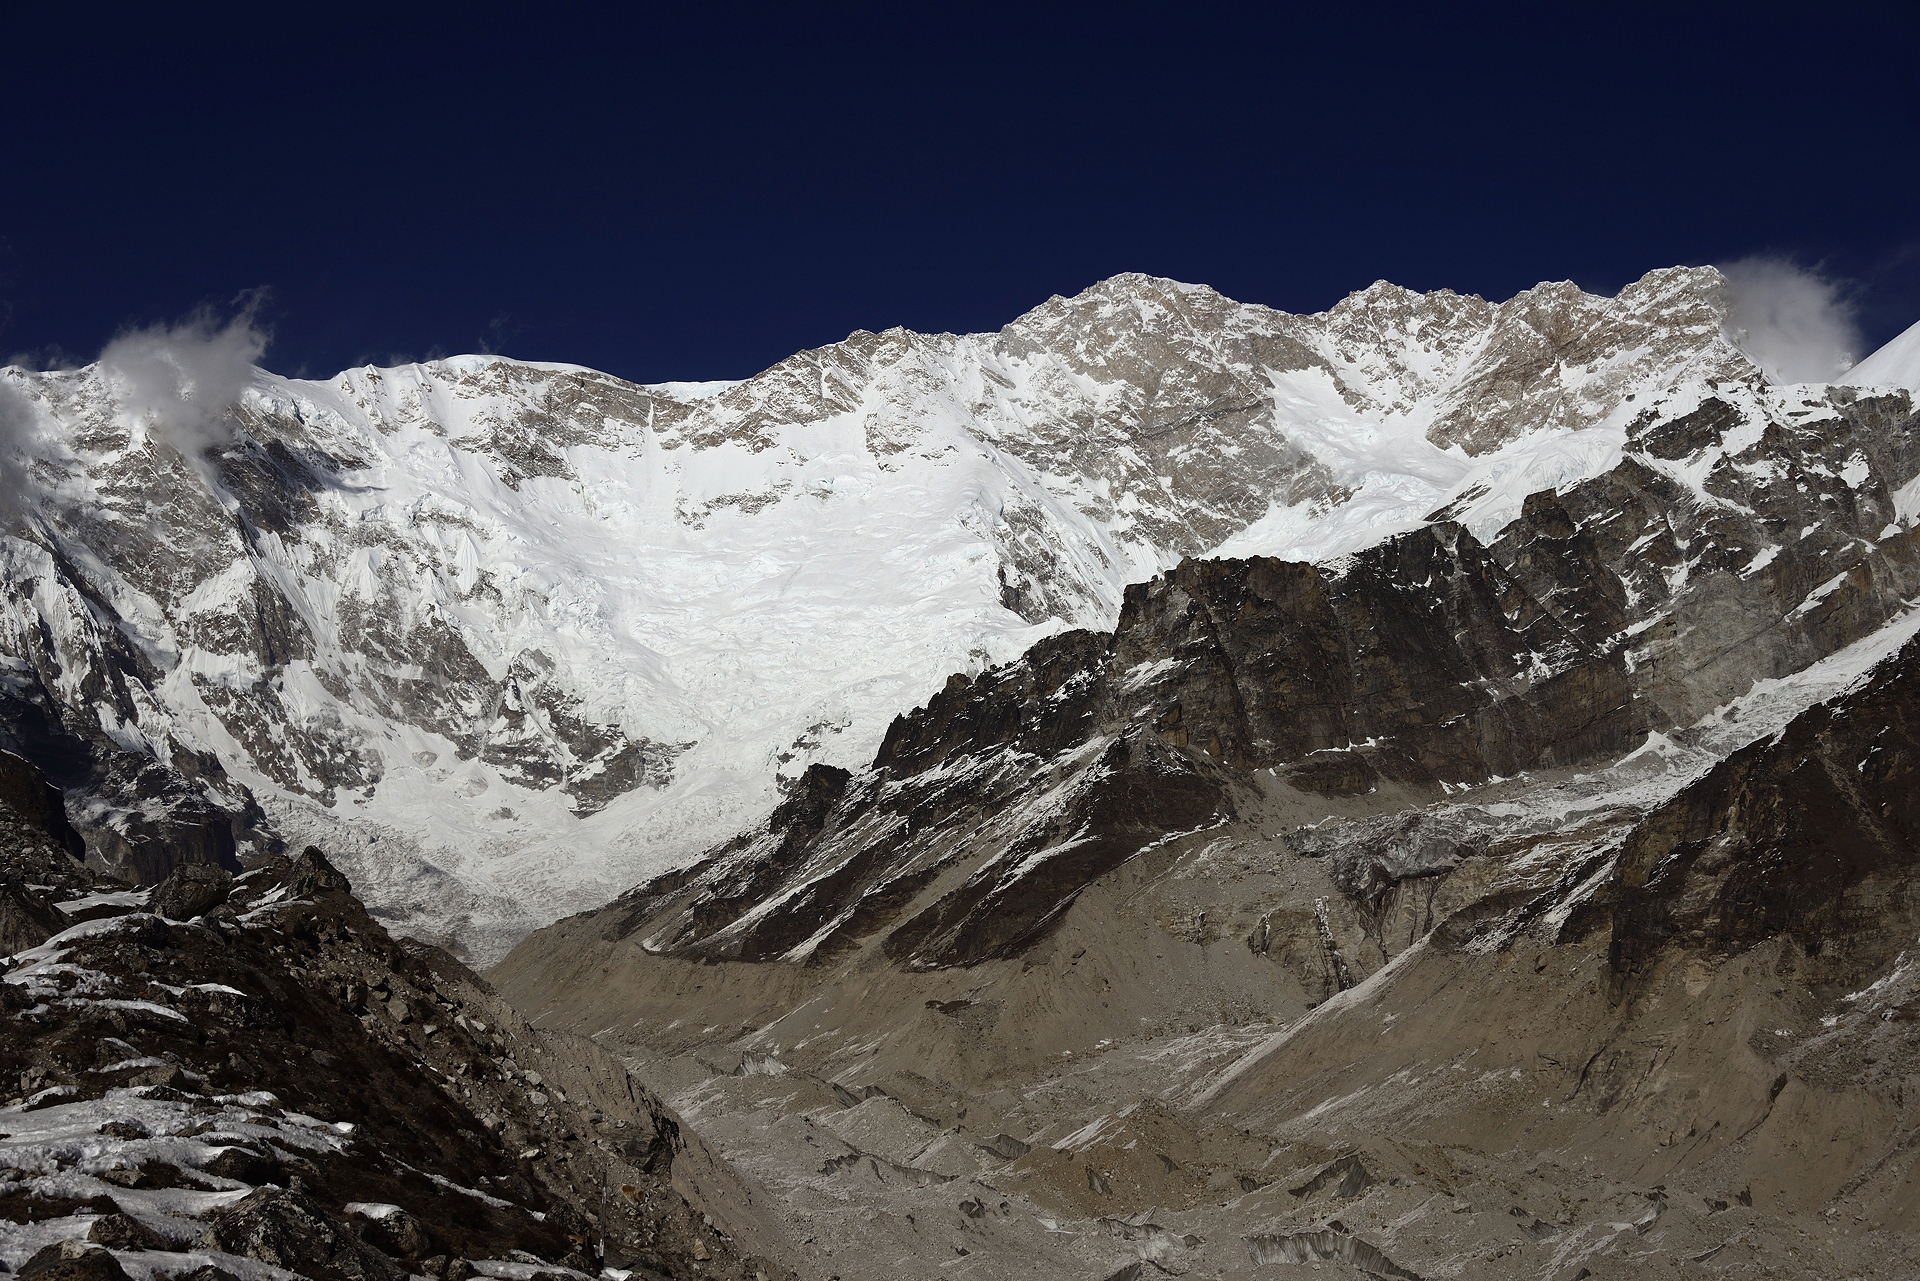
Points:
(1895, 365)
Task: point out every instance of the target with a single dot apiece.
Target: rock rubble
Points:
(224, 1072)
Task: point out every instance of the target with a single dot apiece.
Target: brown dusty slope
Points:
(1683, 1037)
(1516, 871)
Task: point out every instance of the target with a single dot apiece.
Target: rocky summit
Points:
(1424, 790)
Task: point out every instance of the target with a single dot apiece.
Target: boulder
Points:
(124, 1232)
(72, 1261)
(290, 1230)
(313, 874)
(190, 890)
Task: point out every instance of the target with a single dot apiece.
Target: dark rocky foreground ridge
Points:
(247, 1077)
(1530, 908)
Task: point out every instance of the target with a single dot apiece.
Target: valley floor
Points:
(1222, 1063)
(1441, 1157)
(1464, 1112)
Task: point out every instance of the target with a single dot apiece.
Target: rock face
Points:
(1811, 838)
(226, 1072)
(1731, 545)
(1502, 902)
(511, 636)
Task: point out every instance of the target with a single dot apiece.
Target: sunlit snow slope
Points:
(1895, 365)
(514, 636)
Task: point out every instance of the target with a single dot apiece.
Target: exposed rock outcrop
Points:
(1812, 837)
(374, 1110)
(1632, 603)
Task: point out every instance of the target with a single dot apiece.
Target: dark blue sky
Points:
(672, 197)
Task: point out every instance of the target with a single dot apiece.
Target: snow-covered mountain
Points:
(512, 636)
(1895, 365)
(1582, 844)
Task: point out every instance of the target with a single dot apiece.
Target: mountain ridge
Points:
(507, 634)
(1531, 906)
(1168, 785)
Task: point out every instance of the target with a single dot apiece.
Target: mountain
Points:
(1171, 787)
(1895, 365)
(1520, 891)
(507, 637)
(1657, 1014)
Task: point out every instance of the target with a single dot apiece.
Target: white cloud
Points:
(1797, 325)
(181, 380)
(20, 439)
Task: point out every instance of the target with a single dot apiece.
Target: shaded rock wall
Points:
(1813, 836)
